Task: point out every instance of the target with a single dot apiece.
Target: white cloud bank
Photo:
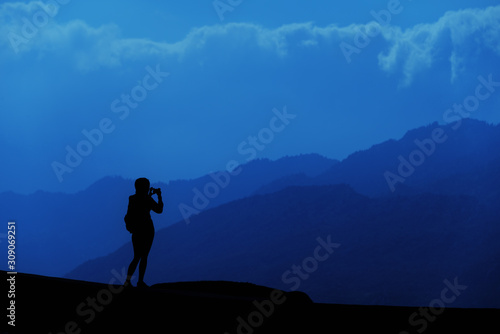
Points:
(456, 35)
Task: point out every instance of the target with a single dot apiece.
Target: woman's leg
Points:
(135, 260)
(144, 257)
(142, 267)
(131, 268)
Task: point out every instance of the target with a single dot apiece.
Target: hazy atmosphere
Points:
(174, 90)
(339, 154)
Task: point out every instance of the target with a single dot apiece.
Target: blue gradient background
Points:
(226, 77)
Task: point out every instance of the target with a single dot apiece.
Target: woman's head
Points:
(142, 186)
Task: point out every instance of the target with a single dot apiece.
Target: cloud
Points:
(13, 9)
(21, 21)
(457, 35)
(92, 48)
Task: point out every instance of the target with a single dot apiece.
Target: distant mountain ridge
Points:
(469, 151)
(68, 229)
(395, 248)
(390, 251)
(473, 145)
(274, 211)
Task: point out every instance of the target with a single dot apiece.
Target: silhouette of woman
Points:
(143, 231)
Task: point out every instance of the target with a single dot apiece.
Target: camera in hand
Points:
(153, 191)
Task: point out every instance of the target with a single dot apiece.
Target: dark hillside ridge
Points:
(53, 305)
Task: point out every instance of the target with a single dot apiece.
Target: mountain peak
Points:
(423, 155)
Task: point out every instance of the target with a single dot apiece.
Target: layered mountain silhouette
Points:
(461, 150)
(394, 245)
(390, 251)
(69, 229)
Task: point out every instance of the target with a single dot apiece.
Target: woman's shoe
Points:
(127, 285)
(142, 285)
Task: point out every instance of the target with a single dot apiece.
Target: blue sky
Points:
(212, 83)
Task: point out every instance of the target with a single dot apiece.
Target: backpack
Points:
(130, 222)
(137, 213)
(131, 217)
